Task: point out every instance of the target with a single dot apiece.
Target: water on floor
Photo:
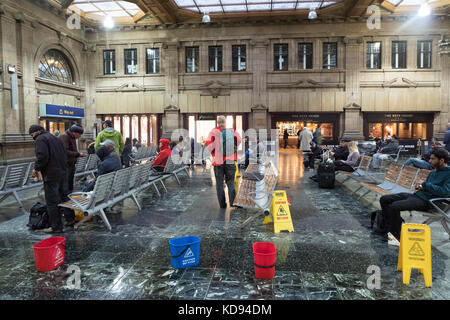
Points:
(327, 257)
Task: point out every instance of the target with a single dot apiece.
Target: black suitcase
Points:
(325, 175)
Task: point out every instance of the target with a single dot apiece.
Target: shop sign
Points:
(398, 117)
(57, 111)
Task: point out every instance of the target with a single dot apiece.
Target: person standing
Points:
(127, 151)
(305, 140)
(51, 162)
(222, 143)
(447, 138)
(318, 135)
(298, 138)
(285, 138)
(109, 133)
(68, 139)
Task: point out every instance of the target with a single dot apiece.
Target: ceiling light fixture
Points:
(206, 18)
(312, 14)
(108, 22)
(424, 10)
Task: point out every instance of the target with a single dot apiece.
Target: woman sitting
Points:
(352, 159)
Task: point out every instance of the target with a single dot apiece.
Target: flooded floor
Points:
(327, 257)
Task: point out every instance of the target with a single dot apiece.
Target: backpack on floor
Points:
(38, 217)
(325, 175)
(377, 222)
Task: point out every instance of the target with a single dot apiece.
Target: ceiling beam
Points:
(66, 4)
(358, 8)
(387, 5)
(160, 10)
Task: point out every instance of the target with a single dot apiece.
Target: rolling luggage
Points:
(326, 173)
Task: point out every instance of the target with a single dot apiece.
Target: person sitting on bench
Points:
(391, 147)
(316, 153)
(164, 153)
(352, 159)
(437, 185)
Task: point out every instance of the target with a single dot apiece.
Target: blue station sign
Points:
(53, 110)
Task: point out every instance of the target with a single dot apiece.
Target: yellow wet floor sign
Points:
(415, 251)
(279, 209)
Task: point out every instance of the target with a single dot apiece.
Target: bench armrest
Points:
(438, 199)
(87, 194)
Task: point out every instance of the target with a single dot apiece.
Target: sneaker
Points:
(393, 240)
(50, 230)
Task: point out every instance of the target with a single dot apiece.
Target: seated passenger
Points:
(341, 152)
(390, 147)
(437, 185)
(352, 159)
(316, 153)
(164, 153)
(422, 163)
(110, 161)
(378, 144)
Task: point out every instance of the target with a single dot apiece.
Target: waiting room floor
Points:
(325, 258)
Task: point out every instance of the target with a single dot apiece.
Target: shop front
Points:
(408, 126)
(59, 118)
(144, 127)
(200, 125)
(295, 122)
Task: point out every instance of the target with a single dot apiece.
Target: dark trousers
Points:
(55, 193)
(340, 166)
(70, 177)
(285, 142)
(226, 171)
(394, 203)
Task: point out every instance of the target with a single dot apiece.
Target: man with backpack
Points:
(222, 143)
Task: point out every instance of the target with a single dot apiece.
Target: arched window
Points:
(55, 66)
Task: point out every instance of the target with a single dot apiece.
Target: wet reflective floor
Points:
(327, 256)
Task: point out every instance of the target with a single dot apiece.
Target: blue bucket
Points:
(185, 251)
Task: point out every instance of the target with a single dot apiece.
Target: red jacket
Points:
(163, 154)
(213, 144)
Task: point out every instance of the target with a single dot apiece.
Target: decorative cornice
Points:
(130, 87)
(400, 83)
(259, 107)
(215, 89)
(171, 107)
(352, 106)
(306, 84)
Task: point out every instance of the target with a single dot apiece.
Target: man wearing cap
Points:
(68, 139)
(109, 162)
(391, 147)
(341, 152)
(51, 162)
(109, 133)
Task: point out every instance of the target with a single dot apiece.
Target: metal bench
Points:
(363, 166)
(440, 212)
(172, 169)
(17, 178)
(110, 189)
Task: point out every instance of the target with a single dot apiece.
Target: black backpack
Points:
(377, 222)
(38, 217)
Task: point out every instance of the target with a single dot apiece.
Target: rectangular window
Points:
(424, 54)
(280, 57)
(192, 59)
(109, 61)
(373, 55)
(329, 55)
(398, 54)
(153, 60)
(239, 56)
(305, 55)
(215, 58)
(130, 56)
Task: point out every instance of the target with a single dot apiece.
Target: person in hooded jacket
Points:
(110, 162)
(164, 153)
(68, 139)
(51, 162)
(109, 133)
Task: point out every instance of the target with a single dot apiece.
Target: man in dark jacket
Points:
(68, 139)
(391, 147)
(316, 153)
(110, 162)
(341, 152)
(51, 162)
(437, 185)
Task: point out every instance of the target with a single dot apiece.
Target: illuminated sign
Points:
(53, 110)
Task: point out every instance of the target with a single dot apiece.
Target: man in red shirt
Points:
(223, 143)
(164, 153)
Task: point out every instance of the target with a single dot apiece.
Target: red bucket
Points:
(49, 253)
(265, 254)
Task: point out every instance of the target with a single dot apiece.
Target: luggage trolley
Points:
(256, 189)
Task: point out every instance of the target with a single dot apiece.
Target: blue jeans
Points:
(417, 163)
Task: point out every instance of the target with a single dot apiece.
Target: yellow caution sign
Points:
(280, 211)
(415, 251)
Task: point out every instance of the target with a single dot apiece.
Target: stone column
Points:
(170, 69)
(171, 119)
(440, 124)
(260, 97)
(353, 120)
